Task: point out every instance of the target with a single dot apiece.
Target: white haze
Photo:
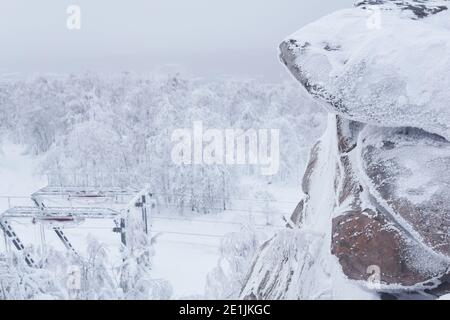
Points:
(202, 37)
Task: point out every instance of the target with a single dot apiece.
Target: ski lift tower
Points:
(69, 199)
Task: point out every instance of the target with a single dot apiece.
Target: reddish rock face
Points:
(363, 240)
(366, 233)
(409, 170)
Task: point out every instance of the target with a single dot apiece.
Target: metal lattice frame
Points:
(119, 195)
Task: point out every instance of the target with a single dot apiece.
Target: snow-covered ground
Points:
(17, 174)
(186, 246)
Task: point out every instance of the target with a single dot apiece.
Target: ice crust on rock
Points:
(409, 170)
(392, 73)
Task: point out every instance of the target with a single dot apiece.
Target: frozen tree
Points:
(18, 281)
(134, 273)
(237, 251)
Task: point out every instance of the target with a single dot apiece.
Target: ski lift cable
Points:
(227, 209)
(192, 243)
(180, 232)
(207, 221)
(186, 196)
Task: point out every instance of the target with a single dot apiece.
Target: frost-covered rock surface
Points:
(386, 64)
(409, 171)
(297, 264)
(375, 217)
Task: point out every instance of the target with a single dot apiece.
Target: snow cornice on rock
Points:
(381, 67)
(420, 8)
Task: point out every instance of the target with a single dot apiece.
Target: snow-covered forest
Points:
(129, 120)
(120, 126)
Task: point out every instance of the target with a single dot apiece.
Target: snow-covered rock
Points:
(297, 264)
(409, 171)
(386, 64)
(346, 229)
(375, 216)
(373, 226)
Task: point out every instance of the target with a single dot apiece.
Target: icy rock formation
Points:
(375, 217)
(379, 64)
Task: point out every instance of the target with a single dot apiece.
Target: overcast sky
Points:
(202, 37)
